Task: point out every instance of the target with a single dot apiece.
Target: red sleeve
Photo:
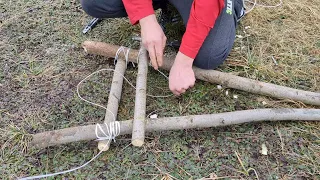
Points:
(202, 18)
(138, 9)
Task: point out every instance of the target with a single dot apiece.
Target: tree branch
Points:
(114, 98)
(138, 129)
(217, 77)
(62, 136)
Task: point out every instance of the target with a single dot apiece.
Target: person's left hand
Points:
(181, 75)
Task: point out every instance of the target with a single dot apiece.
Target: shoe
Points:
(242, 10)
(167, 16)
(242, 13)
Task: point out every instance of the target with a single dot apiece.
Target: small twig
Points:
(274, 61)
(281, 140)
(246, 171)
(183, 170)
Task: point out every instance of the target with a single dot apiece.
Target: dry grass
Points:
(289, 34)
(42, 62)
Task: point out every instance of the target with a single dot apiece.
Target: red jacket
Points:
(202, 18)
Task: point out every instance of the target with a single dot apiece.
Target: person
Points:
(206, 43)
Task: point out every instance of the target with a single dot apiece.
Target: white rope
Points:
(163, 74)
(113, 130)
(98, 71)
(126, 55)
(265, 6)
(255, 4)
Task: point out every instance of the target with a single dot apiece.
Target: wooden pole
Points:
(80, 133)
(138, 129)
(212, 76)
(114, 98)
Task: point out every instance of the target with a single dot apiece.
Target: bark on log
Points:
(217, 77)
(138, 129)
(62, 136)
(114, 98)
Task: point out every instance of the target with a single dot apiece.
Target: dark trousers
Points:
(216, 46)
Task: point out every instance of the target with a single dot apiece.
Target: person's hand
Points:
(153, 39)
(181, 75)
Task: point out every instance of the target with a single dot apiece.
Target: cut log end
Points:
(137, 142)
(103, 145)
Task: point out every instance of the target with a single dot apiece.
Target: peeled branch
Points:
(138, 131)
(114, 98)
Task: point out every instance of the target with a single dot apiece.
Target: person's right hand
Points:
(153, 39)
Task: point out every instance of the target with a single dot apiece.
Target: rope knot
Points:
(112, 131)
(126, 55)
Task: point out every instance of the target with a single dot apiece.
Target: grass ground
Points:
(42, 62)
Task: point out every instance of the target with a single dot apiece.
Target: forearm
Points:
(202, 18)
(138, 9)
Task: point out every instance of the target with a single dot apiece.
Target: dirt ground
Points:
(41, 63)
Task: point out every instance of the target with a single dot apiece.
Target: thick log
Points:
(138, 130)
(114, 98)
(62, 136)
(212, 76)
